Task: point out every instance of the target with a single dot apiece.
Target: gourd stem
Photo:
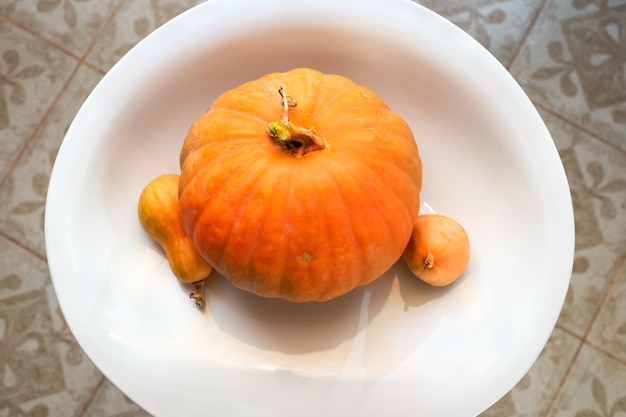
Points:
(198, 294)
(429, 261)
(295, 140)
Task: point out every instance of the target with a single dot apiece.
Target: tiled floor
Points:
(569, 56)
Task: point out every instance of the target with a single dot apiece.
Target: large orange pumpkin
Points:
(300, 185)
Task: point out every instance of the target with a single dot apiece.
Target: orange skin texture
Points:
(301, 228)
(158, 215)
(439, 250)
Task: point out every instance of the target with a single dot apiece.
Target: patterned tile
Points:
(597, 179)
(498, 25)
(596, 387)
(31, 75)
(111, 402)
(43, 372)
(609, 330)
(533, 394)
(22, 195)
(133, 22)
(574, 63)
(71, 24)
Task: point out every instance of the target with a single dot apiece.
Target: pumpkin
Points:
(439, 251)
(300, 185)
(158, 215)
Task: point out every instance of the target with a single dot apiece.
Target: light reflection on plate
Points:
(394, 347)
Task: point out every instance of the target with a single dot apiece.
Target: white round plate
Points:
(395, 347)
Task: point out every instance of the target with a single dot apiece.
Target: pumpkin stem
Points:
(287, 102)
(296, 140)
(429, 261)
(198, 294)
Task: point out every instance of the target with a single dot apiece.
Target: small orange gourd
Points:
(158, 211)
(300, 185)
(439, 250)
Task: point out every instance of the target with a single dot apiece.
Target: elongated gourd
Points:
(159, 216)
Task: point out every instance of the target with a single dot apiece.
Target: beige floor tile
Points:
(534, 393)
(609, 330)
(596, 387)
(22, 195)
(70, 24)
(133, 22)
(31, 75)
(597, 178)
(499, 25)
(572, 65)
(111, 402)
(573, 62)
(43, 372)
